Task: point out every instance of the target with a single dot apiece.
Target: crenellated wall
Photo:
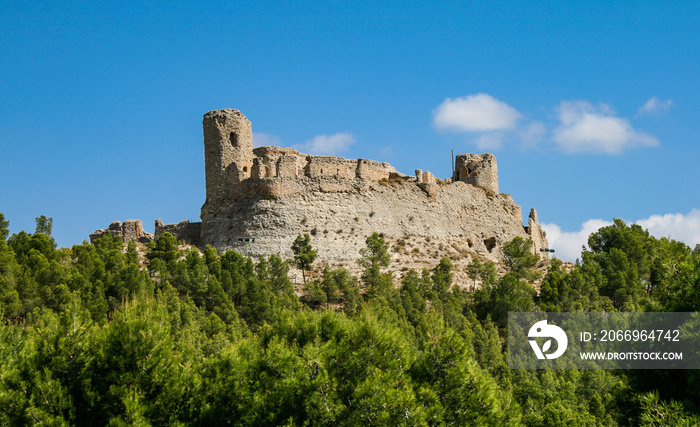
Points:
(280, 162)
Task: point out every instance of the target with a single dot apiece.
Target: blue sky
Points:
(591, 107)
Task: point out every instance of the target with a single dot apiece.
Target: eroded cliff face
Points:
(340, 214)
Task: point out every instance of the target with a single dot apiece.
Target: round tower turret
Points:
(228, 152)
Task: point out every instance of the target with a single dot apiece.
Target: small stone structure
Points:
(130, 230)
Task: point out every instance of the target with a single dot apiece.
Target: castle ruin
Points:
(272, 194)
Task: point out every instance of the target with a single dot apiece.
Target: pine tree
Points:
(44, 225)
(376, 252)
(304, 253)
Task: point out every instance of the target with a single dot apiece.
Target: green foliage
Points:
(89, 336)
(474, 270)
(456, 390)
(165, 249)
(379, 285)
(280, 284)
(304, 253)
(574, 291)
(4, 231)
(442, 278)
(376, 252)
(509, 294)
(44, 225)
(519, 258)
(10, 303)
(658, 413)
(633, 241)
(413, 303)
(23, 243)
(373, 257)
(675, 276)
(335, 286)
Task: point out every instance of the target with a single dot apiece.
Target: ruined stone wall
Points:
(232, 162)
(184, 231)
(329, 167)
(477, 169)
(375, 171)
(274, 152)
(259, 169)
(287, 167)
(271, 162)
(273, 194)
(130, 230)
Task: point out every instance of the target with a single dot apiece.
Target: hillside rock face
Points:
(272, 194)
(340, 220)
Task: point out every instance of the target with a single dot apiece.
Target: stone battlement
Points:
(288, 163)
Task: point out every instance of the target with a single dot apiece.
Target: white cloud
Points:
(568, 244)
(327, 144)
(684, 228)
(587, 128)
(475, 113)
(654, 106)
(261, 139)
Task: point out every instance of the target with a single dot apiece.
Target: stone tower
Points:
(228, 152)
(479, 170)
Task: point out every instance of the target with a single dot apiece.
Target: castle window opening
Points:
(234, 139)
(245, 169)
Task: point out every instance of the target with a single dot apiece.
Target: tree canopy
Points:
(113, 334)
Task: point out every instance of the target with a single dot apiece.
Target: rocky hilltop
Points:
(259, 199)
